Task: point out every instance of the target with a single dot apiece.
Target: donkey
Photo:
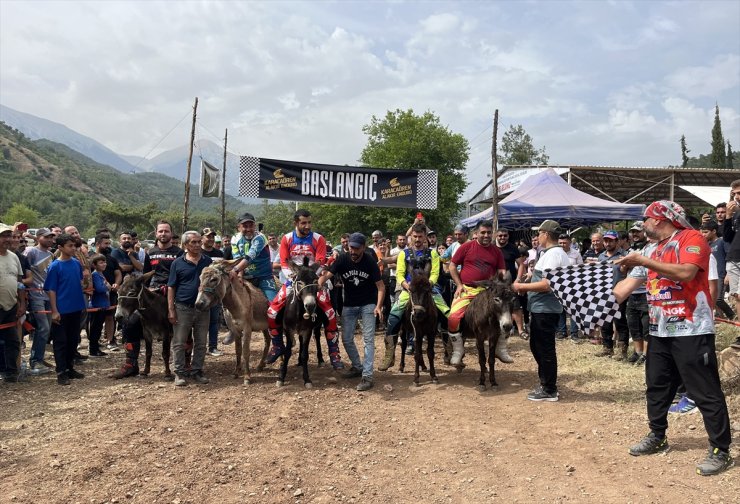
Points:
(420, 319)
(246, 310)
(488, 318)
(133, 295)
(300, 317)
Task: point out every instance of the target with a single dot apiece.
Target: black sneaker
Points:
(716, 462)
(640, 360)
(633, 358)
(539, 395)
(62, 379)
(352, 372)
(649, 445)
(79, 356)
(560, 335)
(99, 353)
(75, 375)
(364, 385)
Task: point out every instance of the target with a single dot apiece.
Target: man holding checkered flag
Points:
(675, 265)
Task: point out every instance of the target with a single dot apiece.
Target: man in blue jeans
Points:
(40, 258)
(364, 293)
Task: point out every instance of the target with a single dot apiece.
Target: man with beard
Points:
(161, 255)
(114, 277)
(126, 255)
(12, 306)
(294, 247)
(364, 295)
(478, 259)
(682, 339)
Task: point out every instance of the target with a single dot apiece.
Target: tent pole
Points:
(494, 174)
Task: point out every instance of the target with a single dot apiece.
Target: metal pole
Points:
(187, 177)
(494, 174)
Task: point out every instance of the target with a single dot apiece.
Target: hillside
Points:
(65, 186)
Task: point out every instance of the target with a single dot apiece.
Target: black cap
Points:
(246, 217)
(710, 226)
(357, 240)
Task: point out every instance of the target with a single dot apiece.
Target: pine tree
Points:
(729, 156)
(717, 158)
(684, 152)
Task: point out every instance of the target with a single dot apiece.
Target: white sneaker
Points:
(458, 349)
(215, 352)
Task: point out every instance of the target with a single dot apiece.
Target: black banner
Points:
(348, 185)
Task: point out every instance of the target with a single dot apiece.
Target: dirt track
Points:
(141, 440)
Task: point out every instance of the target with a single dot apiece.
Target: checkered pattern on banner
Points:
(249, 177)
(426, 189)
(585, 291)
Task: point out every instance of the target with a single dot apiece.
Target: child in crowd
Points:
(64, 285)
(101, 302)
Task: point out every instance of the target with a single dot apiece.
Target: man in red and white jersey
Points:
(302, 242)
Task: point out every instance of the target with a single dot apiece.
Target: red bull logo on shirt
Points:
(660, 289)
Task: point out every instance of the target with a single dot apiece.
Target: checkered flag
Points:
(249, 177)
(585, 291)
(426, 189)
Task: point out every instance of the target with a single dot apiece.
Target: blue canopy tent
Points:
(547, 196)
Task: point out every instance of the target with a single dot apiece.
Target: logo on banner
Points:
(280, 181)
(396, 190)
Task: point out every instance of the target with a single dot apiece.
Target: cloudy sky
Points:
(596, 82)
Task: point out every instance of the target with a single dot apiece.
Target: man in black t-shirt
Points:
(364, 293)
(161, 255)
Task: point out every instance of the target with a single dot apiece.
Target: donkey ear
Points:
(505, 277)
(315, 267)
(146, 276)
(305, 261)
(227, 265)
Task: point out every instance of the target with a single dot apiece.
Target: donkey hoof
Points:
(247, 381)
(416, 384)
(435, 380)
(321, 364)
(460, 368)
(261, 367)
(279, 383)
(308, 385)
(169, 377)
(481, 388)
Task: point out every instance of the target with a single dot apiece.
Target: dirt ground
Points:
(143, 441)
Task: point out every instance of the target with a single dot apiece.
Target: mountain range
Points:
(172, 163)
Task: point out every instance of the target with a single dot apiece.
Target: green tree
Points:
(277, 218)
(18, 212)
(403, 140)
(517, 148)
(730, 165)
(684, 152)
(717, 158)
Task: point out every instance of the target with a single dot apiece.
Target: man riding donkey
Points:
(294, 247)
(479, 259)
(161, 257)
(414, 258)
(253, 249)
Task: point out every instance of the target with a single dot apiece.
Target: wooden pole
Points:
(187, 177)
(223, 186)
(494, 174)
